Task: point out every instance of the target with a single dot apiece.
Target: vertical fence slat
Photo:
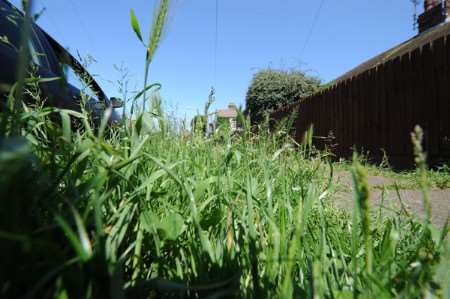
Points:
(353, 115)
(377, 111)
(447, 87)
(439, 65)
(359, 101)
(383, 108)
(348, 118)
(433, 117)
(339, 120)
(427, 102)
(416, 59)
(339, 123)
(354, 112)
(364, 115)
(406, 95)
(366, 93)
(446, 95)
(370, 133)
(396, 117)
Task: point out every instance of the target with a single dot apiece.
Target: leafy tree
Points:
(271, 89)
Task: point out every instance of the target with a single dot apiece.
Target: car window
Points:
(38, 50)
(74, 78)
(36, 56)
(50, 55)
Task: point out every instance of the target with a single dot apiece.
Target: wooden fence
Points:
(376, 110)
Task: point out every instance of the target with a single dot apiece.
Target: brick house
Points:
(227, 116)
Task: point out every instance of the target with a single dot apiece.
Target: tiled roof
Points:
(227, 113)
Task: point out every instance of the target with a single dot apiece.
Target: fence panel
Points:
(380, 107)
(366, 116)
(447, 87)
(405, 97)
(440, 71)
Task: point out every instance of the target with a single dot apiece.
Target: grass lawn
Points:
(146, 213)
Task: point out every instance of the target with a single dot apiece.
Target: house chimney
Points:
(429, 4)
(447, 10)
(435, 13)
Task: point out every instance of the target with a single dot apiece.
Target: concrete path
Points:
(412, 199)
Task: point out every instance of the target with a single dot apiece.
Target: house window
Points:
(233, 124)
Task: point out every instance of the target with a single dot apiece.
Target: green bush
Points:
(271, 89)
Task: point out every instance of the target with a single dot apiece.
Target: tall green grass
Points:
(150, 213)
(144, 212)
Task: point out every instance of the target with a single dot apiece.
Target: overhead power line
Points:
(216, 41)
(311, 29)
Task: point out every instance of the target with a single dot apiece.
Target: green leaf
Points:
(82, 234)
(66, 126)
(34, 80)
(202, 186)
(105, 119)
(172, 226)
(80, 243)
(157, 87)
(169, 227)
(135, 25)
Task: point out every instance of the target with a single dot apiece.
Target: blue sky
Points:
(252, 34)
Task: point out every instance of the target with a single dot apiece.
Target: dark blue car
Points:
(49, 60)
